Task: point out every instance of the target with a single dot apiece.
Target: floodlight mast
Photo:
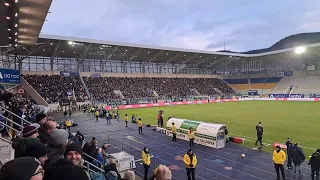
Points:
(300, 50)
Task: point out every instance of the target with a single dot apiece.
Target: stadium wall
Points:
(88, 74)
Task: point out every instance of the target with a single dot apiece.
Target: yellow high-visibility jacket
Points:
(68, 123)
(187, 161)
(191, 135)
(279, 157)
(146, 159)
(139, 123)
(174, 129)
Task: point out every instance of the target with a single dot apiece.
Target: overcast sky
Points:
(192, 24)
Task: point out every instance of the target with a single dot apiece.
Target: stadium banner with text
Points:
(288, 73)
(286, 95)
(9, 76)
(69, 74)
(252, 92)
(278, 95)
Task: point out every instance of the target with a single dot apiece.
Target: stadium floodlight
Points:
(300, 50)
(70, 42)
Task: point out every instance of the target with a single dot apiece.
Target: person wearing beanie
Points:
(74, 153)
(190, 160)
(41, 118)
(29, 137)
(111, 175)
(24, 168)
(279, 157)
(146, 161)
(315, 164)
(38, 151)
(30, 131)
(57, 146)
(58, 137)
(65, 170)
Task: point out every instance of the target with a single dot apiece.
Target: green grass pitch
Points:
(281, 119)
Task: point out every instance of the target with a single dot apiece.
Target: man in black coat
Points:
(297, 157)
(259, 129)
(289, 147)
(315, 164)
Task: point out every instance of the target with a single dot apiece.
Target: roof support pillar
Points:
(54, 54)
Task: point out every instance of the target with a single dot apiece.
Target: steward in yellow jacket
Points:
(191, 137)
(139, 122)
(126, 119)
(279, 157)
(190, 160)
(97, 114)
(174, 131)
(146, 161)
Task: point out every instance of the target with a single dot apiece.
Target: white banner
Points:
(280, 74)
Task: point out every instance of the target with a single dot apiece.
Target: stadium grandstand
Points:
(58, 74)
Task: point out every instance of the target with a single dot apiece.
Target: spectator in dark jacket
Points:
(57, 145)
(289, 147)
(30, 134)
(315, 164)
(297, 157)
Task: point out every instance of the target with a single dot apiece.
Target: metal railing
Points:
(13, 114)
(8, 126)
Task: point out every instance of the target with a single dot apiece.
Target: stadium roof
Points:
(22, 20)
(70, 47)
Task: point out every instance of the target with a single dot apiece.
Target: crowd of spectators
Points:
(54, 88)
(102, 88)
(45, 150)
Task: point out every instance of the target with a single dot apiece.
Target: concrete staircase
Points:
(6, 151)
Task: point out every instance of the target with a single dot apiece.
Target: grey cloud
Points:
(187, 24)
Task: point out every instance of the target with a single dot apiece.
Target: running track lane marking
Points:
(223, 158)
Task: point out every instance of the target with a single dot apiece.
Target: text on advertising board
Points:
(9, 76)
(286, 95)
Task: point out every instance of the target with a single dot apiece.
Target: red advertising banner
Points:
(282, 146)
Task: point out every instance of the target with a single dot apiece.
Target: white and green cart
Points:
(207, 134)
